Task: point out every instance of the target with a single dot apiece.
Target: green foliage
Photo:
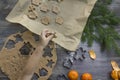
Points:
(101, 27)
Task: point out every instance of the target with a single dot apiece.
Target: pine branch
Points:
(101, 27)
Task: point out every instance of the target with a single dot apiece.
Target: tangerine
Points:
(73, 75)
(86, 76)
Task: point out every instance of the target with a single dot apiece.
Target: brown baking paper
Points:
(12, 62)
(74, 13)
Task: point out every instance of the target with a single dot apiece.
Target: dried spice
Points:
(92, 54)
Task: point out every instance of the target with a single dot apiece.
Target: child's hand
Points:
(46, 37)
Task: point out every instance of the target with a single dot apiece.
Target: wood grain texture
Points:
(99, 68)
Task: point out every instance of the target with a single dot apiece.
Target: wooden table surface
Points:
(99, 68)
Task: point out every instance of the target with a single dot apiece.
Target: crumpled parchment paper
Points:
(74, 12)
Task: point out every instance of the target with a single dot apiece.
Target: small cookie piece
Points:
(55, 9)
(36, 2)
(59, 20)
(54, 35)
(45, 20)
(31, 8)
(32, 15)
(44, 8)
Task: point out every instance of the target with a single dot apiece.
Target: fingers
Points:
(50, 33)
(44, 32)
(50, 37)
(46, 37)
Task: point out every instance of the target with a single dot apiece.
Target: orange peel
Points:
(92, 54)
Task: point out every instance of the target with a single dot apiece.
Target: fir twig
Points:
(101, 27)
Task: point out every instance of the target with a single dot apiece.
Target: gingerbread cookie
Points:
(36, 2)
(59, 20)
(32, 15)
(44, 8)
(55, 9)
(31, 8)
(45, 20)
(59, 0)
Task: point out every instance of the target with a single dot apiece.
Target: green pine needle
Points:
(101, 27)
